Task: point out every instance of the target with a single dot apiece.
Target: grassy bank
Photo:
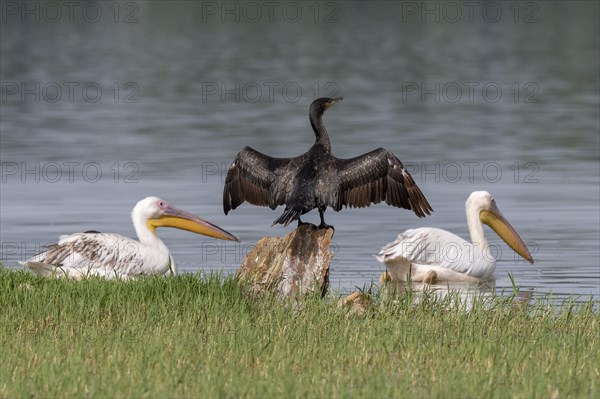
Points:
(192, 336)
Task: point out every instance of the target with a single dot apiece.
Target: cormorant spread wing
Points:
(378, 176)
(259, 179)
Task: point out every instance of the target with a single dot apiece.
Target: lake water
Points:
(105, 103)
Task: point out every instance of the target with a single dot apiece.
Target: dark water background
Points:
(106, 103)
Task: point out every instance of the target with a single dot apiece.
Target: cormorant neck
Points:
(316, 121)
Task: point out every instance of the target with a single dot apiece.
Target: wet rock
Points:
(297, 264)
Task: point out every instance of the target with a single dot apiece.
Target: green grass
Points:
(193, 336)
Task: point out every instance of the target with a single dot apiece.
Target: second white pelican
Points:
(427, 254)
(114, 256)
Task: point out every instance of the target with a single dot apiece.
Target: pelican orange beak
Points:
(494, 218)
(180, 219)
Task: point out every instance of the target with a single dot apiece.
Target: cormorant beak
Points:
(174, 217)
(500, 225)
(332, 102)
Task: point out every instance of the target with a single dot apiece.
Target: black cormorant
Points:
(317, 179)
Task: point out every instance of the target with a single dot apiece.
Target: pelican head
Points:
(485, 205)
(159, 213)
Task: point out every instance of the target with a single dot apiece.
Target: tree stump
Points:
(297, 264)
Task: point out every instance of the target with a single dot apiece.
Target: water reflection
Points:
(464, 294)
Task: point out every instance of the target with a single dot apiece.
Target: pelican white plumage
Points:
(114, 256)
(427, 254)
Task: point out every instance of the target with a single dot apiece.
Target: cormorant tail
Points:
(288, 216)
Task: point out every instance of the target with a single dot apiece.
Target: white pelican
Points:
(428, 254)
(114, 256)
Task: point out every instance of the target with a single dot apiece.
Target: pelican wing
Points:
(378, 176)
(437, 248)
(101, 254)
(259, 179)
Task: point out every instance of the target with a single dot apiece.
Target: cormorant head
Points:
(320, 105)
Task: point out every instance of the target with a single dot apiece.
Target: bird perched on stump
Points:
(317, 179)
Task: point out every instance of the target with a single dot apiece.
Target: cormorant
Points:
(317, 179)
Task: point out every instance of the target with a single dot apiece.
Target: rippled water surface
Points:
(162, 104)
